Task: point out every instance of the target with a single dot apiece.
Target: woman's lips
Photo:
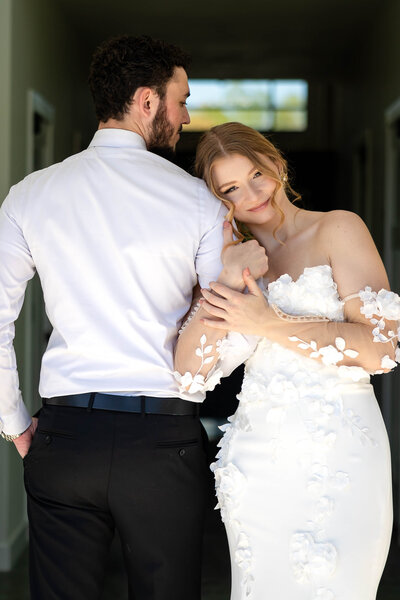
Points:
(259, 207)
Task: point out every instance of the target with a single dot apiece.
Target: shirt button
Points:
(182, 452)
(47, 439)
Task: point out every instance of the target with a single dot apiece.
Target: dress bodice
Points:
(314, 293)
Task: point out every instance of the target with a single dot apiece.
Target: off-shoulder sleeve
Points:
(378, 308)
(366, 343)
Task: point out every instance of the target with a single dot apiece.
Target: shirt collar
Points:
(118, 138)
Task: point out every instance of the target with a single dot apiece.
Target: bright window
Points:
(266, 105)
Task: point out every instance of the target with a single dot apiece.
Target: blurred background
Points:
(321, 79)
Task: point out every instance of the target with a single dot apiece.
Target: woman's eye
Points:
(257, 174)
(231, 189)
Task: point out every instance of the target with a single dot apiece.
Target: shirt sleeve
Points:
(208, 257)
(16, 269)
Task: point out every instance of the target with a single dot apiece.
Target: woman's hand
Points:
(236, 257)
(246, 313)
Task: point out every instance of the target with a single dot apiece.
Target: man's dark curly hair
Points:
(123, 64)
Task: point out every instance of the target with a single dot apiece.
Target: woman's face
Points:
(237, 179)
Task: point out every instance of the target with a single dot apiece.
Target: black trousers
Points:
(88, 473)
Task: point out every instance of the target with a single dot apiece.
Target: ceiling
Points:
(250, 38)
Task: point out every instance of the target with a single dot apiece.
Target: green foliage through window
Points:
(266, 105)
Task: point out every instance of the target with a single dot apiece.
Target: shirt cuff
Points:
(17, 422)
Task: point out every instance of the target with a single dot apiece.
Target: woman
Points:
(303, 475)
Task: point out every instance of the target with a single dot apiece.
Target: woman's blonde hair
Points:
(236, 138)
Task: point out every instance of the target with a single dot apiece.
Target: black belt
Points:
(133, 404)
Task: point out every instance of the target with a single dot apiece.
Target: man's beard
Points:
(161, 134)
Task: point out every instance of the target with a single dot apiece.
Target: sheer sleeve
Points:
(367, 339)
(213, 358)
(382, 309)
(203, 355)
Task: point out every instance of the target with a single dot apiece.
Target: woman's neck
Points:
(264, 233)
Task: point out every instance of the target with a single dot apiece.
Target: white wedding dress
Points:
(303, 475)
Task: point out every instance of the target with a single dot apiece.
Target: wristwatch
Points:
(9, 437)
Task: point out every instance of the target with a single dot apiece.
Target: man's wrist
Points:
(10, 437)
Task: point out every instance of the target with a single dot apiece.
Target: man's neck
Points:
(126, 124)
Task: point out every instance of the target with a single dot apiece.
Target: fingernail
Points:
(226, 224)
(247, 271)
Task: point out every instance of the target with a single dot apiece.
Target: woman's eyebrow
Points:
(225, 184)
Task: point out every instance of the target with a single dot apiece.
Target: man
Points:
(119, 237)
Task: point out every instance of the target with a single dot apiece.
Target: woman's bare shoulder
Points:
(340, 217)
(342, 222)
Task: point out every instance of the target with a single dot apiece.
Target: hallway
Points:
(348, 156)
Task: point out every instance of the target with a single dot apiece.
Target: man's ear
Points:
(146, 102)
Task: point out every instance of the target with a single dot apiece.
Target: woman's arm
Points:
(369, 335)
(198, 348)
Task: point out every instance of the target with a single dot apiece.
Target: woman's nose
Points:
(254, 194)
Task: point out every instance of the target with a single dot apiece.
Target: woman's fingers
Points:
(213, 310)
(213, 299)
(215, 324)
(222, 290)
(227, 233)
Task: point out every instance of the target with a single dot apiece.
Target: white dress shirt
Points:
(119, 237)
